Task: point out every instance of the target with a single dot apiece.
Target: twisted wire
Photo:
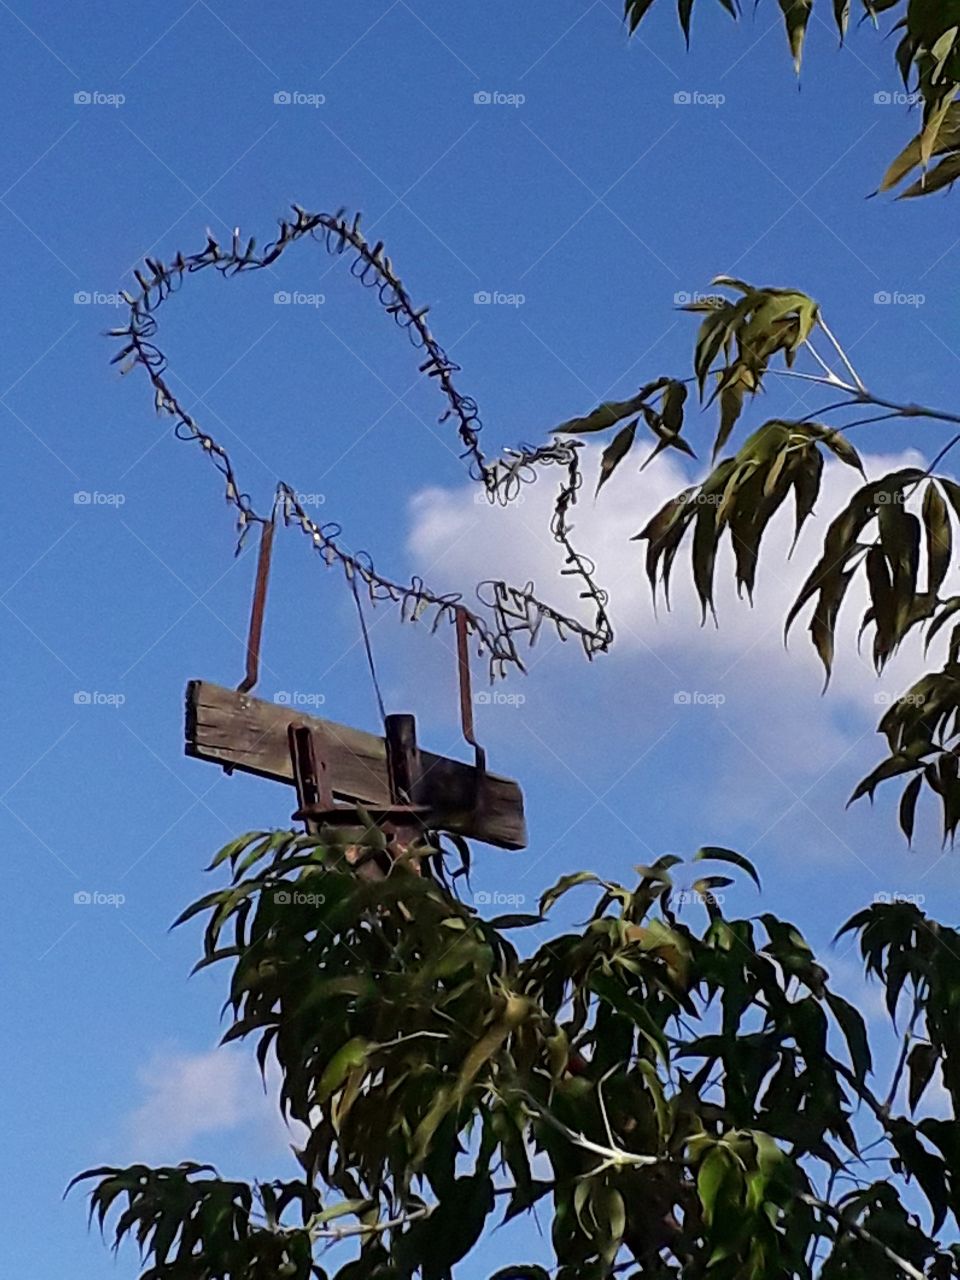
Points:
(514, 612)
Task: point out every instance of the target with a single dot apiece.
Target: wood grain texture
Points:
(242, 732)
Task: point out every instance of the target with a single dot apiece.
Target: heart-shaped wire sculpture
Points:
(508, 612)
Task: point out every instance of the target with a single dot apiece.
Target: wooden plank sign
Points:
(238, 731)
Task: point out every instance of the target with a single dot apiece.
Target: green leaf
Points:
(616, 451)
(893, 767)
(838, 444)
(922, 1063)
(610, 990)
(611, 412)
(731, 406)
(515, 921)
(831, 576)
(797, 16)
(666, 424)
(343, 1209)
(713, 1176)
(936, 524)
(353, 1054)
(664, 533)
(907, 159)
(949, 610)
(705, 555)
(634, 12)
(684, 10)
(908, 806)
(854, 1032)
(231, 851)
(713, 854)
(671, 407)
(806, 486)
(943, 175)
(936, 120)
(564, 885)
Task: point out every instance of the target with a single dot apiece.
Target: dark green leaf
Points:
(922, 1063)
(616, 451)
(713, 854)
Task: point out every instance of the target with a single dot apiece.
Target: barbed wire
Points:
(514, 612)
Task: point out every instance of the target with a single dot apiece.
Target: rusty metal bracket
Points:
(309, 774)
(315, 801)
(256, 613)
(466, 695)
(403, 758)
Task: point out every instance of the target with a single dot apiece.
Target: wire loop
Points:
(514, 612)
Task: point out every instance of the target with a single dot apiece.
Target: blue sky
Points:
(599, 198)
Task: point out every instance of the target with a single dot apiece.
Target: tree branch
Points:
(843, 356)
(855, 1229)
(371, 1228)
(613, 1157)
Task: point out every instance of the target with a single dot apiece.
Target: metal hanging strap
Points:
(466, 696)
(259, 603)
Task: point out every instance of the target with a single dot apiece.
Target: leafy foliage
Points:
(684, 1099)
(666, 423)
(740, 496)
(757, 325)
(897, 532)
(193, 1223)
(928, 60)
(923, 733)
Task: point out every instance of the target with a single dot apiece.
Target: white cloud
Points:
(465, 541)
(190, 1096)
(773, 715)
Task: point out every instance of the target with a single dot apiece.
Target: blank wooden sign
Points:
(242, 732)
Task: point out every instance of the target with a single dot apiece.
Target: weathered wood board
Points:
(242, 732)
